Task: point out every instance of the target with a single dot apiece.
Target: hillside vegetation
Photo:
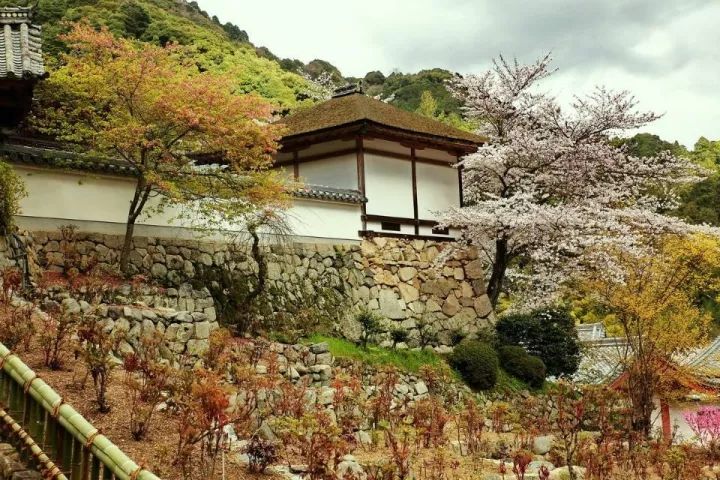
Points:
(223, 46)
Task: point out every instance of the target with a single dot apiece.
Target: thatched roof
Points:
(356, 108)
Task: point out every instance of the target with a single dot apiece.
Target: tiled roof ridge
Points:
(20, 44)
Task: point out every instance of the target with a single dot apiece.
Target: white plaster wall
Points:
(388, 186)
(437, 189)
(99, 203)
(313, 219)
(337, 172)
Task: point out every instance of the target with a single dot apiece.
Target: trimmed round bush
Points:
(549, 334)
(528, 368)
(477, 362)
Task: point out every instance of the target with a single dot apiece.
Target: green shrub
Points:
(477, 362)
(12, 190)
(528, 368)
(370, 323)
(549, 334)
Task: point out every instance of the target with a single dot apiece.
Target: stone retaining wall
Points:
(401, 280)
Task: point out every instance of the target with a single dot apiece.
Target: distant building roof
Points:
(350, 107)
(20, 44)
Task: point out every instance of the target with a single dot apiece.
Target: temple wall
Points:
(403, 281)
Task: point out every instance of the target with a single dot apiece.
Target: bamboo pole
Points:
(101, 447)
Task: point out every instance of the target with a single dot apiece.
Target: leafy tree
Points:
(653, 297)
(141, 105)
(549, 186)
(549, 334)
(136, 19)
(649, 145)
(12, 190)
(235, 33)
(374, 78)
(317, 68)
(428, 105)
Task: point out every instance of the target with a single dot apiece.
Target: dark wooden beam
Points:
(405, 236)
(460, 184)
(296, 166)
(413, 168)
(361, 176)
(402, 220)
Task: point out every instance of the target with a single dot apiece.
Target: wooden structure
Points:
(21, 63)
(400, 162)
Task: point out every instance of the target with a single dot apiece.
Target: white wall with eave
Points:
(337, 172)
(99, 203)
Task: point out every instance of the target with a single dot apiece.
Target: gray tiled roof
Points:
(49, 154)
(20, 44)
(321, 192)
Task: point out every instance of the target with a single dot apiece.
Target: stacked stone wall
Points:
(409, 283)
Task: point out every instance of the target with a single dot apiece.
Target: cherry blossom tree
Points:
(549, 187)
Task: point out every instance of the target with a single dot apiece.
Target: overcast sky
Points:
(667, 52)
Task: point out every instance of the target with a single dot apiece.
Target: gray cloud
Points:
(665, 51)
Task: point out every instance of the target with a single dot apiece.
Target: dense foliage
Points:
(549, 334)
(144, 106)
(12, 190)
(516, 361)
(477, 362)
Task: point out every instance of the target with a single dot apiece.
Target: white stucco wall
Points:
(388, 186)
(437, 189)
(338, 172)
(326, 147)
(99, 203)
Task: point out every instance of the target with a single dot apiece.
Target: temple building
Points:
(400, 163)
(367, 168)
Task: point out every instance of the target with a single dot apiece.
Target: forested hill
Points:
(220, 45)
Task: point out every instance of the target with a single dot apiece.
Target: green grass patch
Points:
(406, 360)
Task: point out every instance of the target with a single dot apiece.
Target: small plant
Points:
(57, 325)
(399, 335)
(521, 460)
(202, 403)
(439, 466)
(569, 414)
(471, 423)
(96, 346)
(427, 332)
(429, 418)
(705, 424)
(477, 362)
(147, 381)
(371, 325)
(316, 440)
(261, 454)
(400, 440)
(381, 402)
(16, 318)
(440, 381)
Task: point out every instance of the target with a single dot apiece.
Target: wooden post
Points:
(665, 415)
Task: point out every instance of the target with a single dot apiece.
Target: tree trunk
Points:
(499, 267)
(127, 243)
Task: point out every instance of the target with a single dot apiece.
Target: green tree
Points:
(141, 105)
(136, 19)
(428, 105)
(12, 190)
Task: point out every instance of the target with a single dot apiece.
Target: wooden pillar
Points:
(413, 163)
(665, 415)
(296, 165)
(361, 177)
